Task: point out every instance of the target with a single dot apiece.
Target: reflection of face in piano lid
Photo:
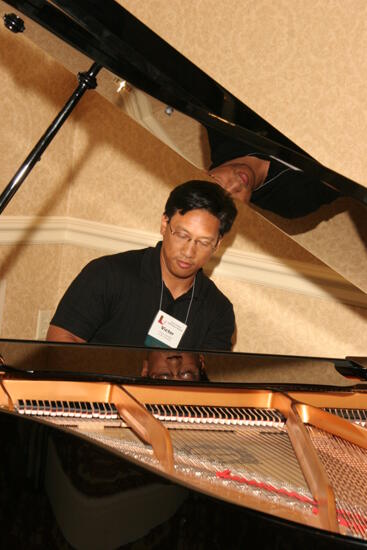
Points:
(172, 365)
(264, 180)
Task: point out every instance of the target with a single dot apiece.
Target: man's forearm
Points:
(58, 334)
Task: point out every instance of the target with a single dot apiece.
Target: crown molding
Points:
(260, 269)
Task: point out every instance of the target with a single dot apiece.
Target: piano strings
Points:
(244, 453)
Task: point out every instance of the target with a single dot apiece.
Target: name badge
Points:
(165, 331)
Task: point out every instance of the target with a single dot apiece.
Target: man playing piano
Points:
(158, 297)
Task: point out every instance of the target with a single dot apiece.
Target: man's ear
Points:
(145, 369)
(164, 223)
(218, 244)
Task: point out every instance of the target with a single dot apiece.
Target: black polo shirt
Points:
(115, 298)
(291, 193)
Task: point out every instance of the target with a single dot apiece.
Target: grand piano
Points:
(264, 450)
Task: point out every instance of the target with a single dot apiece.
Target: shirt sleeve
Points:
(84, 306)
(221, 329)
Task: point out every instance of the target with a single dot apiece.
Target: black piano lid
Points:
(118, 41)
(118, 364)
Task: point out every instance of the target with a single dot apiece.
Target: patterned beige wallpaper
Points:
(103, 167)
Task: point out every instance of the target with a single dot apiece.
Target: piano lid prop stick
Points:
(87, 80)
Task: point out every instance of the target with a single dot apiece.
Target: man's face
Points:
(189, 241)
(240, 177)
(172, 365)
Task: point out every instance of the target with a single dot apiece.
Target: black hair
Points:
(224, 148)
(202, 195)
(199, 362)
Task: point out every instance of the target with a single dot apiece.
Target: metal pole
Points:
(87, 80)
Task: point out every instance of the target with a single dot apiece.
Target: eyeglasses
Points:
(183, 237)
(179, 375)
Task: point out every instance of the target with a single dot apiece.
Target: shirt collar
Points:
(151, 270)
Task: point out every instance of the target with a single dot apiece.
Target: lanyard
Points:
(191, 299)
